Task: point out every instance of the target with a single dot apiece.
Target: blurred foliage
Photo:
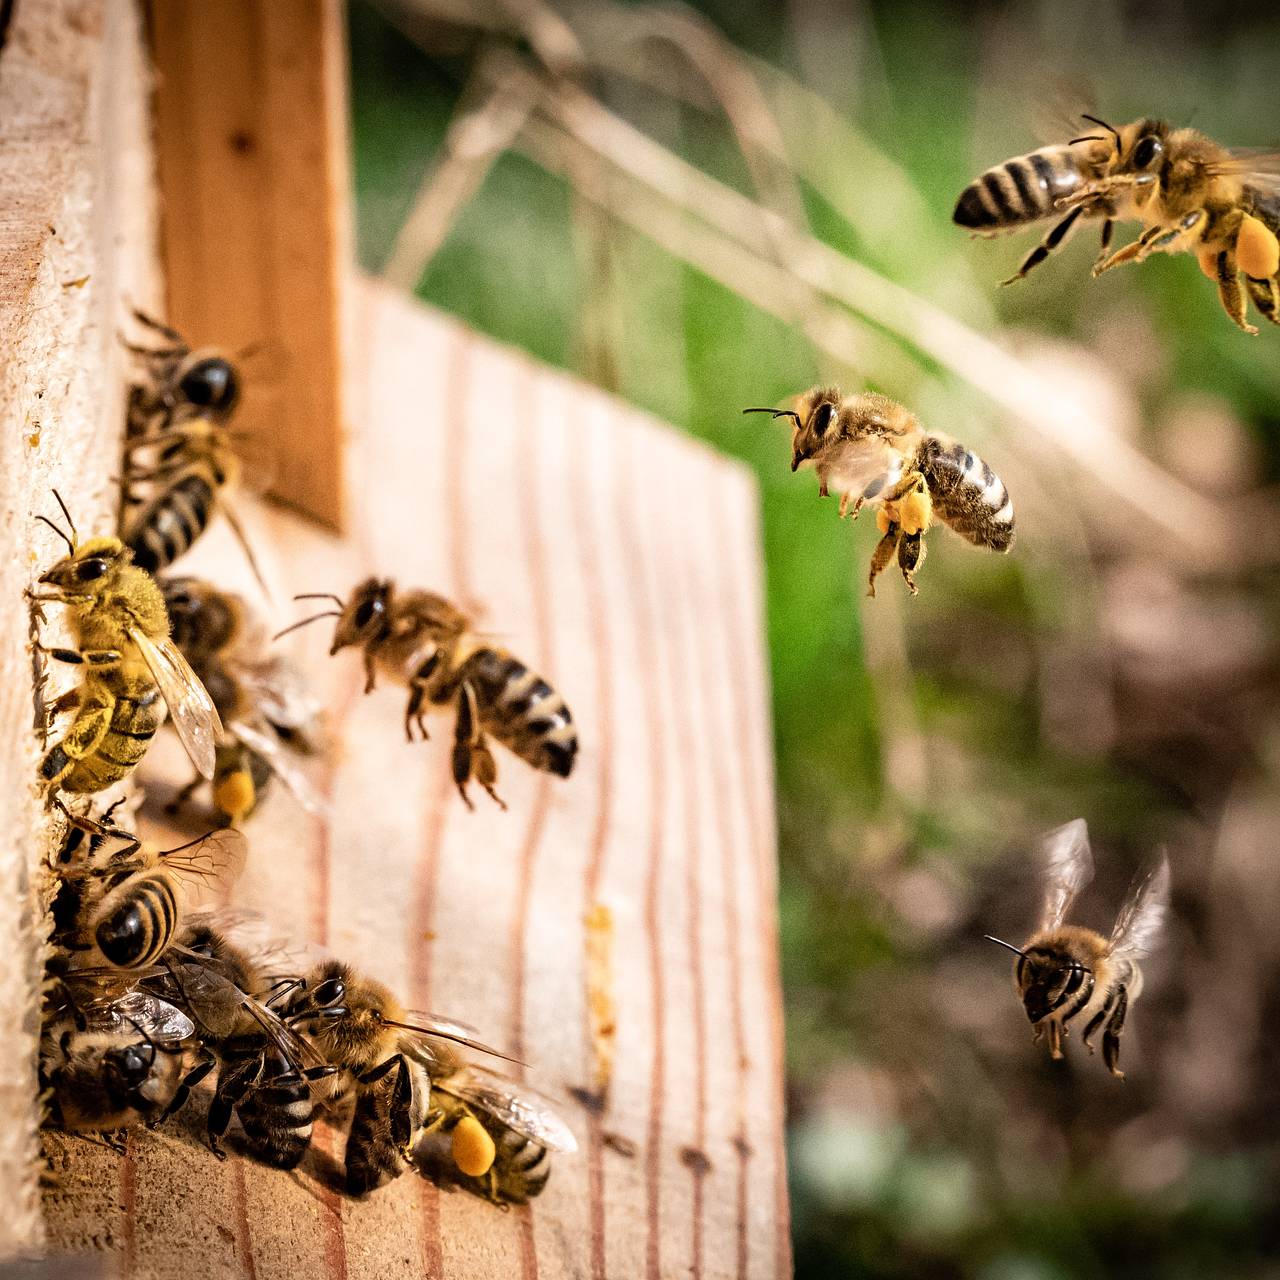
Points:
(921, 744)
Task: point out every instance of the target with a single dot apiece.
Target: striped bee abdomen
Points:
(967, 495)
(522, 1165)
(277, 1117)
(522, 711)
(136, 713)
(136, 921)
(172, 520)
(1022, 190)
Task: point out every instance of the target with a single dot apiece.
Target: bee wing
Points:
(1068, 867)
(215, 855)
(192, 710)
(1259, 166)
(1142, 917)
(516, 1105)
(282, 696)
(265, 742)
(157, 1019)
(271, 952)
(433, 1026)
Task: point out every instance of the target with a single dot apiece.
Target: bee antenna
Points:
(1111, 129)
(1088, 137)
(306, 622)
(778, 413)
(70, 541)
(321, 595)
(1001, 942)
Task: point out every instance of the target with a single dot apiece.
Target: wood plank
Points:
(623, 561)
(251, 138)
(76, 233)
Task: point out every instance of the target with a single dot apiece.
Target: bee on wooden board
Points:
(270, 717)
(1065, 971)
(121, 902)
(131, 669)
(1190, 194)
(421, 640)
(105, 1065)
(867, 448)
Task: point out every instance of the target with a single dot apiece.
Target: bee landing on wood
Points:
(1190, 194)
(867, 448)
(1065, 970)
(421, 640)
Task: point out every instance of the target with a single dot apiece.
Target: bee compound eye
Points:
(1147, 150)
(330, 992)
(369, 609)
(823, 416)
(91, 569)
(211, 384)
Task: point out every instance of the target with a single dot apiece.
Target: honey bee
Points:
(1066, 970)
(177, 382)
(868, 448)
(500, 1135)
(130, 665)
(114, 1064)
(1189, 193)
(123, 900)
(269, 715)
(421, 640)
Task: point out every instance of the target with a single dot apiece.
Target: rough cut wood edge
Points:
(76, 234)
(251, 139)
(623, 561)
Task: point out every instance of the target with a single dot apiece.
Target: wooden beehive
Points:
(606, 549)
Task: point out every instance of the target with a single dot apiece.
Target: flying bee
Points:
(123, 900)
(269, 715)
(178, 382)
(1065, 970)
(267, 1072)
(868, 448)
(109, 1065)
(500, 1135)
(421, 640)
(1189, 193)
(131, 667)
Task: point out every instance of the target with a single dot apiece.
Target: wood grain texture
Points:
(251, 137)
(622, 561)
(76, 233)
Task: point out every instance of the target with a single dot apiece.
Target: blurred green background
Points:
(1100, 671)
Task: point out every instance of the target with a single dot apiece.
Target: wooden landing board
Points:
(623, 562)
(251, 144)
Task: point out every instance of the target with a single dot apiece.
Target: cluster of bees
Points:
(144, 998)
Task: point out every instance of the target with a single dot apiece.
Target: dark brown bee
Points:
(421, 640)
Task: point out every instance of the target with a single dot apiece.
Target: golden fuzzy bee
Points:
(105, 1065)
(1190, 194)
(867, 448)
(131, 669)
(421, 640)
(269, 716)
(121, 900)
(1066, 971)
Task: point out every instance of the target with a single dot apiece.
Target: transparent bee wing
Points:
(273, 953)
(1259, 166)
(140, 1010)
(1068, 867)
(418, 1024)
(282, 696)
(1143, 915)
(216, 855)
(516, 1105)
(192, 710)
(265, 742)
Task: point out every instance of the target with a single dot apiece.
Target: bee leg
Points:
(1096, 1021)
(180, 347)
(465, 731)
(84, 736)
(1055, 1039)
(413, 712)
(1111, 1037)
(233, 1085)
(911, 551)
(1266, 296)
(1057, 234)
(844, 506)
(1230, 294)
(63, 703)
(883, 553)
(1104, 242)
(370, 674)
(183, 1091)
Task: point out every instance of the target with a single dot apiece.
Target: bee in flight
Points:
(270, 717)
(131, 669)
(1190, 194)
(867, 448)
(421, 640)
(1066, 971)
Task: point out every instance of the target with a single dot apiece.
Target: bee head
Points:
(1045, 977)
(364, 616)
(201, 617)
(817, 413)
(91, 568)
(211, 383)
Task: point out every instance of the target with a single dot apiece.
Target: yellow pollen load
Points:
(914, 511)
(235, 795)
(473, 1149)
(1257, 250)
